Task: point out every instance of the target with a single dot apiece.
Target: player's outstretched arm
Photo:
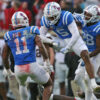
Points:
(97, 50)
(5, 55)
(75, 34)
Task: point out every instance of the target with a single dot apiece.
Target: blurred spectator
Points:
(66, 5)
(72, 5)
(91, 2)
(28, 1)
(35, 10)
(8, 2)
(35, 13)
(77, 6)
(2, 18)
(46, 1)
(39, 15)
(16, 6)
(6, 14)
(24, 8)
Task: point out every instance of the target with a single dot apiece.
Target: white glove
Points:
(55, 44)
(5, 72)
(51, 68)
(10, 74)
(48, 67)
(12, 79)
(64, 50)
(94, 84)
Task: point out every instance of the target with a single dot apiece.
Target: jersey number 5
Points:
(18, 51)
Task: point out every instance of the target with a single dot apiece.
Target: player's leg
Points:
(13, 85)
(80, 76)
(81, 50)
(23, 92)
(41, 76)
(32, 87)
(3, 90)
(61, 75)
(88, 64)
(21, 73)
(89, 92)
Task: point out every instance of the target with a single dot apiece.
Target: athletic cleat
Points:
(96, 91)
(81, 94)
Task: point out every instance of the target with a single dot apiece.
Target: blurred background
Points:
(34, 11)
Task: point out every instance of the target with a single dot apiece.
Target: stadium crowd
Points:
(64, 64)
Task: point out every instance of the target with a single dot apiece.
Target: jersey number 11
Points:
(18, 51)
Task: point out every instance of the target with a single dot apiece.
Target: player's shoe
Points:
(81, 94)
(95, 87)
(97, 92)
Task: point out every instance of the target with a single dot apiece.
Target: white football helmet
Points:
(52, 12)
(92, 12)
(19, 19)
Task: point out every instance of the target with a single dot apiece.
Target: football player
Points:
(63, 24)
(89, 23)
(22, 42)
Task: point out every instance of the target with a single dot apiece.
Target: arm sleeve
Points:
(67, 18)
(34, 29)
(7, 37)
(78, 18)
(44, 22)
(75, 34)
(43, 32)
(97, 30)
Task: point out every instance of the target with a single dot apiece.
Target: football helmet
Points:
(91, 13)
(19, 19)
(52, 12)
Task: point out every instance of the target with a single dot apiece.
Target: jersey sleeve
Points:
(44, 22)
(7, 37)
(67, 18)
(97, 30)
(34, 29)
(78, 18)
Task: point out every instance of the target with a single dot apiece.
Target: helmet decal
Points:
(16, 18)
(19, 19)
